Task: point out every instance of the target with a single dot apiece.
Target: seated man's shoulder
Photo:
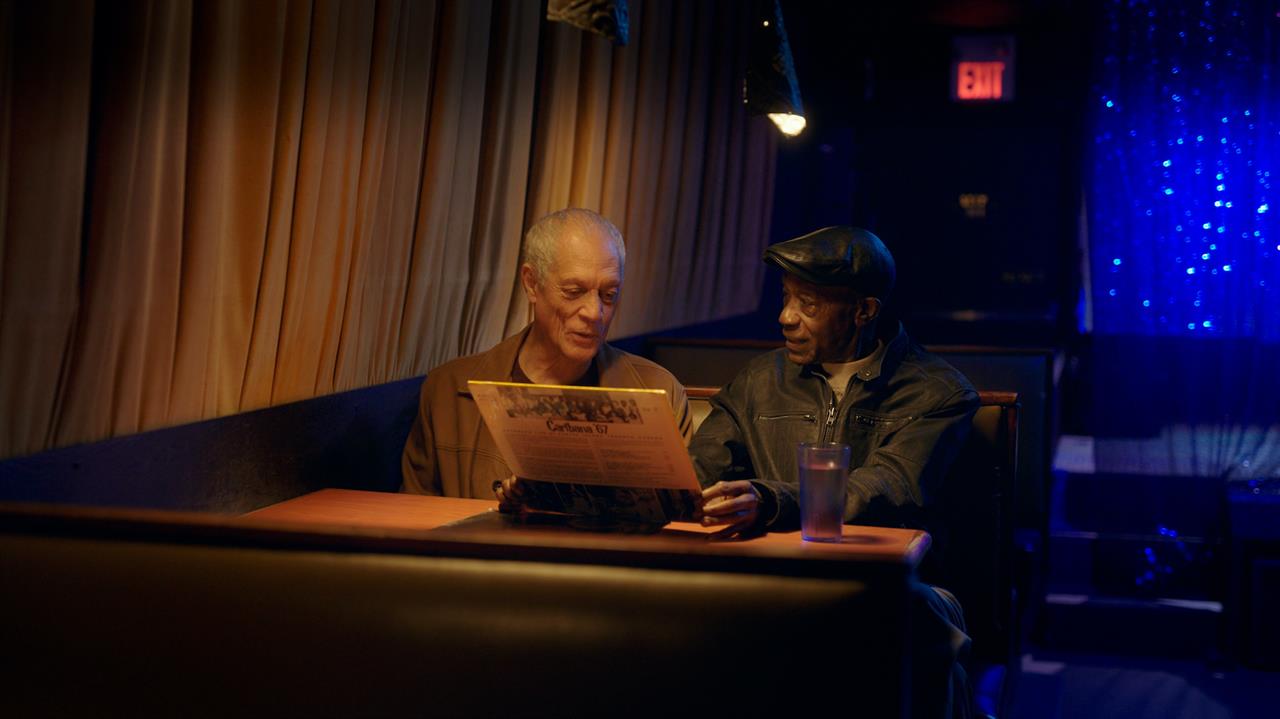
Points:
(772, 365)
(927, 367)
(774, 361)
(457, 371)
(761, 378)
(651, 374)
(456, 367)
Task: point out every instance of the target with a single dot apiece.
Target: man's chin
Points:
(580, 352)
(800, 358)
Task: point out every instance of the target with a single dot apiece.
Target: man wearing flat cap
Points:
(842, 377)
(845, 375)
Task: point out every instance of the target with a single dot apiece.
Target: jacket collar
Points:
(886, 363)
(891, 358)
(495, 365)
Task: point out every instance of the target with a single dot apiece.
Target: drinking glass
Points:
(824, 468)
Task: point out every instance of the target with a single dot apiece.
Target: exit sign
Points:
(982, 69)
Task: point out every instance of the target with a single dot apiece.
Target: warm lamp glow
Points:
(791, 125)
(769, 84)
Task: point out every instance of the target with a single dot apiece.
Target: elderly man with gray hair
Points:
(572, 275)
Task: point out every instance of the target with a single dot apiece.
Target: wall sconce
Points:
(769, 86)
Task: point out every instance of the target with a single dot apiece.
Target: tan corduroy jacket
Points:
(450, 451)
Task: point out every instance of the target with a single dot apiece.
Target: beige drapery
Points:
(655, 137)
(210, 207)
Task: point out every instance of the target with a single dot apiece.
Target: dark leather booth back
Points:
(97, 627)
(350, 440)
(974, 557)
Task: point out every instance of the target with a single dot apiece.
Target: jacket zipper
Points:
(830, 399)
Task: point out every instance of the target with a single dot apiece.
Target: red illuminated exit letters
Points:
(979, 80)
(982, 68)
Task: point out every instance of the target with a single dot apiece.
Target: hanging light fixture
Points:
(607, 18)
(769, 86)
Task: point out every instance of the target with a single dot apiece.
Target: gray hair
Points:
(542, 239)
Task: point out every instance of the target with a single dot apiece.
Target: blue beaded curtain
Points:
(1183, 212)
(1183, 197)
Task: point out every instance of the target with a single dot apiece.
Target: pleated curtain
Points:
(655, 137)
(211, 207)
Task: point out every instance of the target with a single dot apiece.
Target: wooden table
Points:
(477, 523)
(355, 509)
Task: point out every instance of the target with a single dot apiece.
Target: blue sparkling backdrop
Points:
(1184, 223)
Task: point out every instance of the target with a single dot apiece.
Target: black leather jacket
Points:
(905, 418)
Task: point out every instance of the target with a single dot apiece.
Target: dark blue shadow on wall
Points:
(1139, 385)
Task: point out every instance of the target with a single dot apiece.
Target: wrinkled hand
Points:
(735, 504)
(510, 494)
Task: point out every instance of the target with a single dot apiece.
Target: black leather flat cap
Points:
(838, 256)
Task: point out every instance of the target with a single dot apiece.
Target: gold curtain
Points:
(283, 200)
(655, 137)
(211, 207)
(45, 60)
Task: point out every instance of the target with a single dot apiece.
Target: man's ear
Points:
(529, 280)
(867, 311)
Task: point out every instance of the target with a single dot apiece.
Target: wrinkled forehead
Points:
(586, 250)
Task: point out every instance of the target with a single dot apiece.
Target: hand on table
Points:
(736, 504)
(510, 494)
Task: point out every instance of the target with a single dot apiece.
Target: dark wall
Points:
(886, 148)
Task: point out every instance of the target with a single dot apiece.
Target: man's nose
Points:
(592, 308)
(787, 317)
